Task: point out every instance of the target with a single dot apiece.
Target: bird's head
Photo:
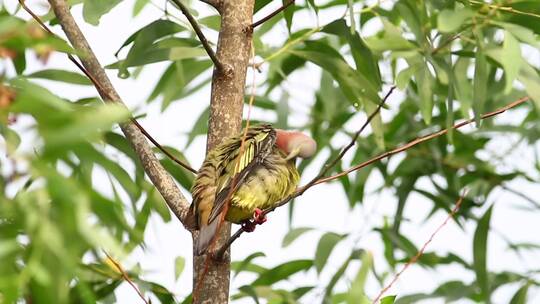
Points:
(295, 144)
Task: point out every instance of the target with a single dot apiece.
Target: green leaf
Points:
(288, 13)
(293, 234)
(354, 85)
(480, 254)
(388, 300)
(282, 272)
(509, 57)
(240, 266)
(530, 79)
(523, 34)
(362, 55)
(424, 81)
(94, 9)
(145, 50)
(326, 244)
(250, 291)
(11, 139)
(34, 99)
(157, 202)
(355, 254)
(200, 126)
(151, 32)
(480, 84)
(463, 86)
(450, 21)
(179, 264)
(356, 292)
(259, 4)
(389, 39)
(520, 297)
(404, 76)
(61, 75)
(138, 6)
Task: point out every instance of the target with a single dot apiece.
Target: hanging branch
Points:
(319, 176)
(271, 15)
(387, 154)
(91, 67)
(421, 251)
(101, 89)
(202, 38)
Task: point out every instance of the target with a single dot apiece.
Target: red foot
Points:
(258, 219)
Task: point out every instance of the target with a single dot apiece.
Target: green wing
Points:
(235, 167)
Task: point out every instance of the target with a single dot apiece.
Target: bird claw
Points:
(258, 219)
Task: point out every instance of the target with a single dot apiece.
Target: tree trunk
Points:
(233, 51)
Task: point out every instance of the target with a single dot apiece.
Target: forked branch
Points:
(272, 14)
(198, 31)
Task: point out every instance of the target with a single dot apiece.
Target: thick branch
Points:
(387, 154)
(211, 280)
(151, 165)
(200, 34)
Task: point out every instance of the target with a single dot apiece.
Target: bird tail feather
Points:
(207, 234)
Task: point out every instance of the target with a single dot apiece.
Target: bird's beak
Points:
(294, 153)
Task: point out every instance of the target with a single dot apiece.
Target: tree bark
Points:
(227, 99)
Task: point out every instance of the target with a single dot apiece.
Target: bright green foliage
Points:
(451, 60)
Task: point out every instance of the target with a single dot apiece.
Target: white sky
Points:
(324, 207)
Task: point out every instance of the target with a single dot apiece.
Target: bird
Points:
(241, 182)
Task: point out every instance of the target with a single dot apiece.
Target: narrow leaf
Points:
(61, 75)
(179, 264)
(293, 234)
(326, 244)
(480, 254)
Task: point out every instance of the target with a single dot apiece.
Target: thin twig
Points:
(421, 140)
(103, 91)
(444, 44)
(126, 277)
(354, 138)
(321, 174)
(407, 146)
(523, 196)
(269, 16)
(198, 31)
(421, 251)
(505, 8)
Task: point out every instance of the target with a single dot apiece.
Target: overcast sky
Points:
(324, 207)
